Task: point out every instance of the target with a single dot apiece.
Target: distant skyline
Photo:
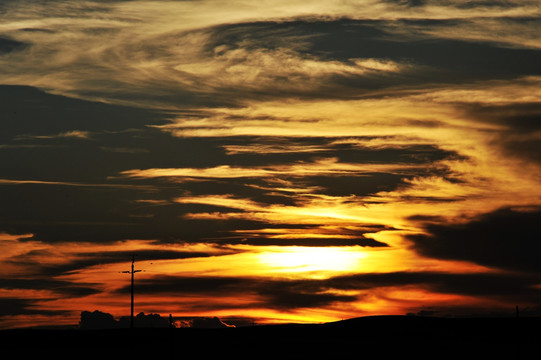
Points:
(299, 161)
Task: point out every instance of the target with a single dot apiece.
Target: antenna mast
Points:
(132, 272)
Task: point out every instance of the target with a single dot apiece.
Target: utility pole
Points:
(132, 272)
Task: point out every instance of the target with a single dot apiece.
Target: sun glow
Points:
(319, 261)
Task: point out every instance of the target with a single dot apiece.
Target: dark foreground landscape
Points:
(383, 337)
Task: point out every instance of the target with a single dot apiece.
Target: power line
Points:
(132, 272)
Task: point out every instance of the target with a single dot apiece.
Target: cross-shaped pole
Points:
(132, 272)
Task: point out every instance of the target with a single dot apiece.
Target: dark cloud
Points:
(521, 121)
(521, 117)
(330, 241)
(103, 215)
(83, 199)
(26, 110)
(504, 4)
(45, 282)
(426, 60)
(286, 149)
(285, 294)
(292, 294)
(408, 3)
(85, 260)
(175, 284)
(489, 285)
(79, 201)
(288, 295)
(525, 148)
(505, 238)
(300, 294)
(7, 45)
(347, 39)
(360, 185)
(14, 306)
(60, 213)
(17, 306)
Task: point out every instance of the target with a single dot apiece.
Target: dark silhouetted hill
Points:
(384, 337)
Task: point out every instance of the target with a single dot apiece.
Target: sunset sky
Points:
(274, 161)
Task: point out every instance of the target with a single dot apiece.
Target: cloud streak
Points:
(191, 49)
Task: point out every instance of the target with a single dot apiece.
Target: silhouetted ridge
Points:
(381, 336)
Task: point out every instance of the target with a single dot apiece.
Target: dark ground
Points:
(381, 337)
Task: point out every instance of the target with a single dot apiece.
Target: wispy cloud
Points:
(152, 51)
(75, 184)
(328, 166)
(76, 134)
